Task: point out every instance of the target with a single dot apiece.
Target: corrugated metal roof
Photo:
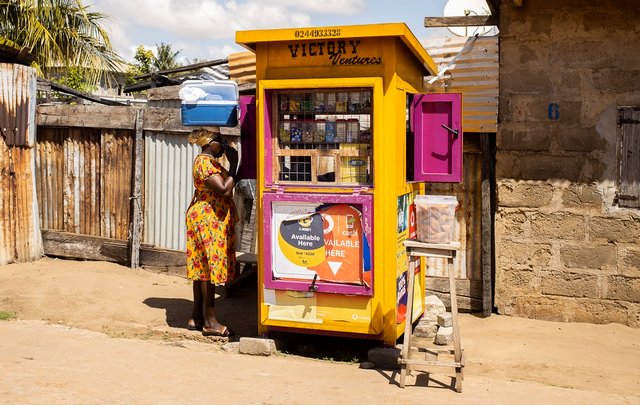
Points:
(242, 67)
(474, 73)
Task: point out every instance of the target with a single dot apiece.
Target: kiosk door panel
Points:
(437, 124)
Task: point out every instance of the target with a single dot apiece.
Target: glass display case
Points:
(322, 136)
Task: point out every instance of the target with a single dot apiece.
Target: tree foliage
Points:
(165, 57)
(60, 33)
(143, 63)
(146, 62)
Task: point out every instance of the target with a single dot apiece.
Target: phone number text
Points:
(319, 33)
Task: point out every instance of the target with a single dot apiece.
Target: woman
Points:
(210, 220)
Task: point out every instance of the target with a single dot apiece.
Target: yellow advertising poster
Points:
(323, 240)
(406, 229)
(308, 307)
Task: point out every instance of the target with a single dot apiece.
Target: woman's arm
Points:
(220, 186)
(224, 187)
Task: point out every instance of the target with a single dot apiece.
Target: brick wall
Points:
(564, 250)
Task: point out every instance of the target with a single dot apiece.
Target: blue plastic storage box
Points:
(209, 102)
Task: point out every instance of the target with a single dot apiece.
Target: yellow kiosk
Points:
(345, 142)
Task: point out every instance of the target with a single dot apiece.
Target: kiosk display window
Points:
(323, 136)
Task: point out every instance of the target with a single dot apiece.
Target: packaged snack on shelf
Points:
(330, 103)
(365, 135)
(436, 217)
(353, 130)
(294, 103)
(306, 104)
(284, 132)
(318, 102)
(341, 130)
(308, 129)
(330, 131)
(318, 135)
(365, 101)
(284, 103)
(341, 102)
(353, 104)
(296, 131)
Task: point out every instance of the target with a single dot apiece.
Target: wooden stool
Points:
(448, 251)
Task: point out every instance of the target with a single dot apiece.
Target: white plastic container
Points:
(209, 102)
(436, 218)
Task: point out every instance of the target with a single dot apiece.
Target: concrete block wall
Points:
(564, 250)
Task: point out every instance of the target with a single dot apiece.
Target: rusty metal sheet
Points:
(17, 104)
(84, 180)
(20, 238)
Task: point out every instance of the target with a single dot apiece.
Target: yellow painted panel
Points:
(251, 39)
(291, 59)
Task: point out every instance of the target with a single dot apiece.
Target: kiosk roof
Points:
(249, 39)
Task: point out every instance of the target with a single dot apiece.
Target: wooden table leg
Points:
(406, 345)
(457, 348)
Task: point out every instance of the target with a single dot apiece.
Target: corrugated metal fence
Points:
(19, 230)
(84, 180)
(168, 188)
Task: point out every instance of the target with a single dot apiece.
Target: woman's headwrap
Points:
(204, 136)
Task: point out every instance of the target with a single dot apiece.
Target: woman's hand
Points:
(232, 155)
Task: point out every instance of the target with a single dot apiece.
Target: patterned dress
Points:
(210, 222)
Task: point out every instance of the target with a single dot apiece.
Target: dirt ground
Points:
(94, 332)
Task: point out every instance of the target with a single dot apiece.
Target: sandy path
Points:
(75, 357)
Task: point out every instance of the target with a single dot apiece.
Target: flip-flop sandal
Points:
(226, 332)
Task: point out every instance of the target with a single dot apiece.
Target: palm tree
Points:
(166, 57)
(60, 33)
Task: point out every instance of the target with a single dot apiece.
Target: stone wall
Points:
(564, 250)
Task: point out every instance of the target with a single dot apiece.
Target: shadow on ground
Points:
(237, 307)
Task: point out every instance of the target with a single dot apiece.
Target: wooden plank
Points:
(467, 304)
(185, 68)
(629, 157)
(437, 363)
(157, 257)
(170, 120)
(465, 287)
(463, 21)
(74, 246)
(417, 244)
(86, 247)
(86, 116)
(136, 198)
(487, 225)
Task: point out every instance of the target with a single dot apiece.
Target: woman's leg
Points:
(211, 325)
(208, 291)
(197, 316)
